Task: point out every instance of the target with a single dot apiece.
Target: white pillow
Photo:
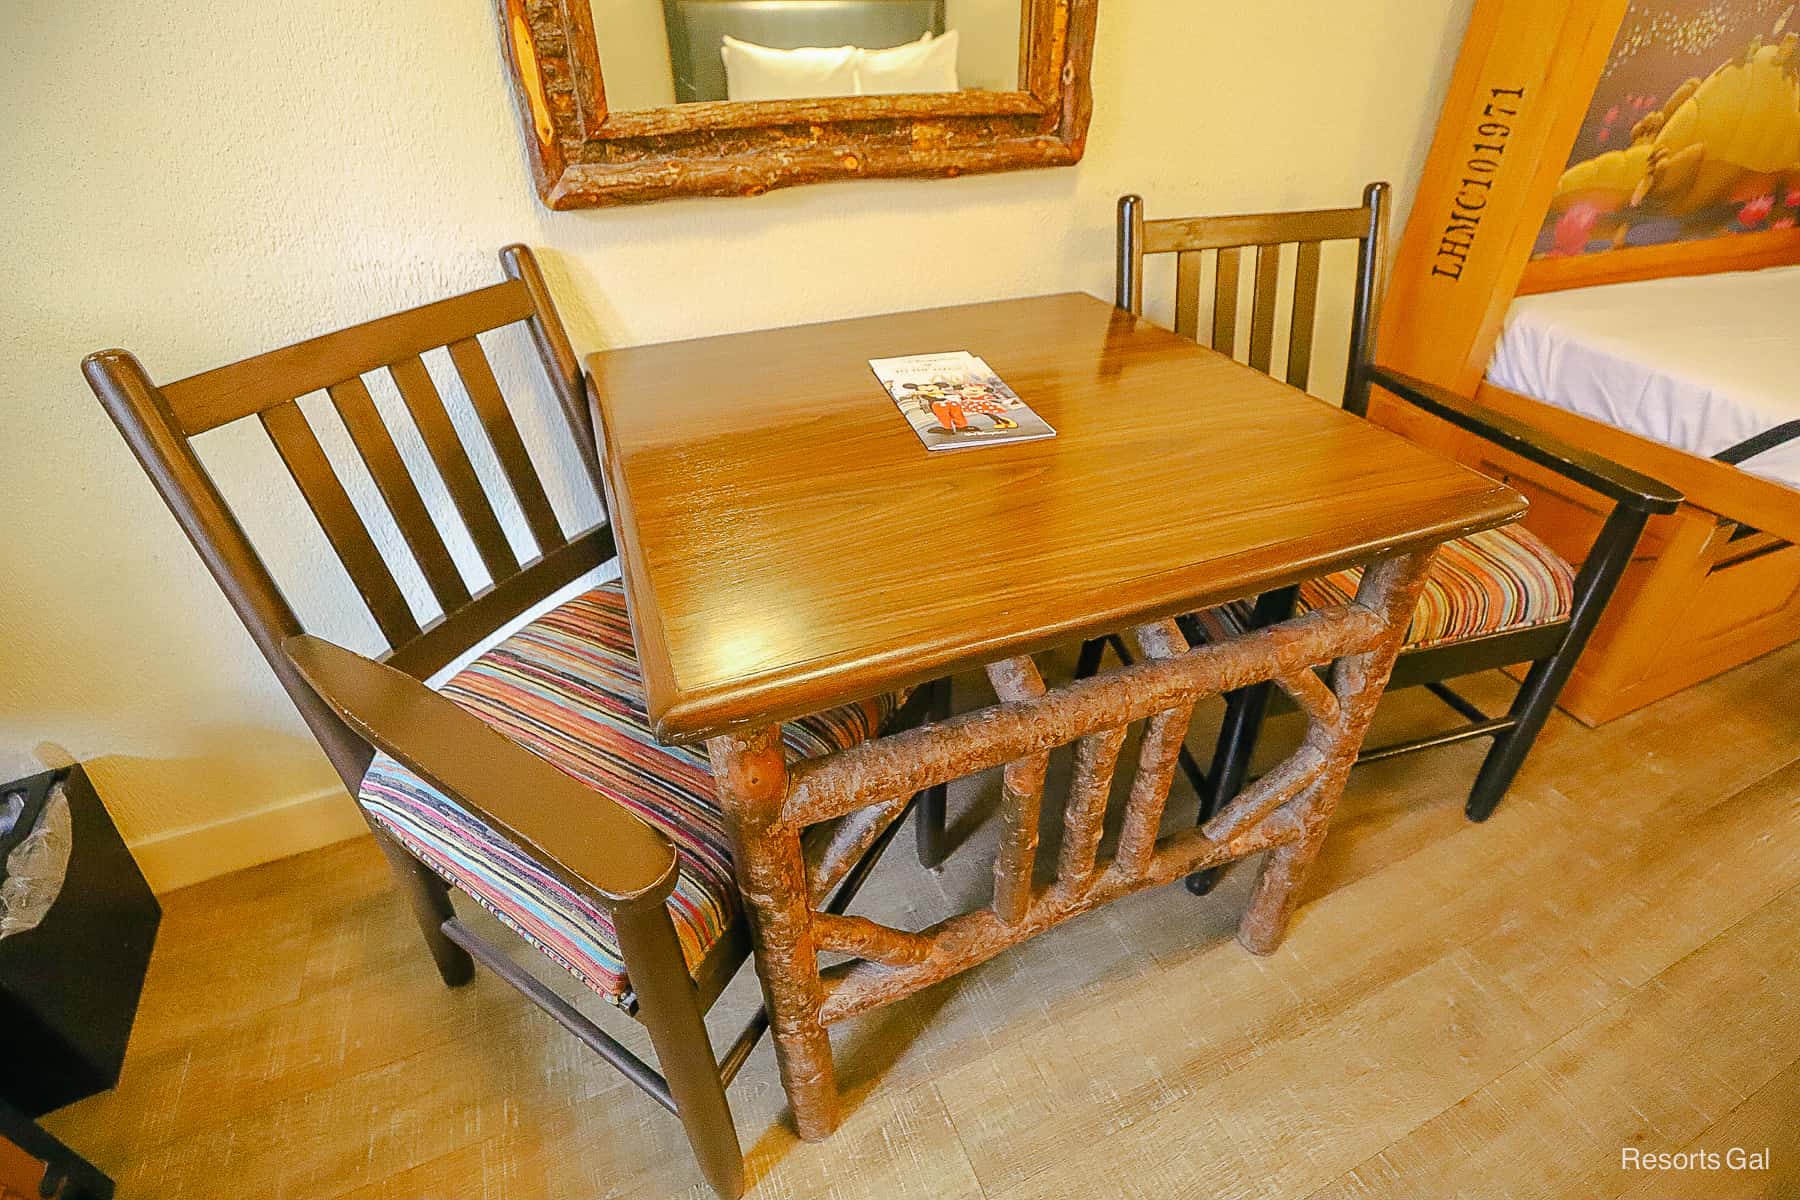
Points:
(754, 72)
(927, 65)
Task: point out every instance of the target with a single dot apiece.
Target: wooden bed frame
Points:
(1717, 582)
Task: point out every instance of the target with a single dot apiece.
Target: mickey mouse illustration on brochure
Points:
(955, 400)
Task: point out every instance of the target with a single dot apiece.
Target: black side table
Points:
(67, 1175)
(76, 929)
(69, 984)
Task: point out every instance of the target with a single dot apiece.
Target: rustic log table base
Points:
(768, 807)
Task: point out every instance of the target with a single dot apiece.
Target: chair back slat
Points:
(1254, 229)
(213, 398)
(1225, 301)
(159, 423)
(1262, 310)
(1187, 293)
(324, 493)
(454, 467)
(356, 409)
(1269, 233)
(1306, 303)
(503, 435)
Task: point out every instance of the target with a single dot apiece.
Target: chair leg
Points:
(429, 896)
(1244, 712)
(1089, 662)
(931, 813)
(1530, 708)
(1196, 777)
(1120, 648)
(1594, 585)
(1094, 649)
(669, 1007)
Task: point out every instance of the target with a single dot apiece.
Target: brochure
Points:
(954, 401)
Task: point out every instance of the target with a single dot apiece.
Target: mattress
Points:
(1699, 362)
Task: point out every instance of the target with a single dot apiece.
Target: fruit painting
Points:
(1693, 132)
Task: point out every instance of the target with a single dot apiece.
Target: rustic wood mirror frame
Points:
(584, 156)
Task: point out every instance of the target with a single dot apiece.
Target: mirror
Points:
(656, 53)
(632, 100)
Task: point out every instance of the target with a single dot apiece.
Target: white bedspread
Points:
(1700, 362)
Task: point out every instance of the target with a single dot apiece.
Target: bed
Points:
(1708, 364)
(1605, 244)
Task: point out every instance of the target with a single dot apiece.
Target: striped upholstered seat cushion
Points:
(1489, 582)
(567, 688)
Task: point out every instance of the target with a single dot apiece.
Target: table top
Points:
(787, 544)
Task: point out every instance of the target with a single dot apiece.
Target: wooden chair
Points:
(530, 782)
(1495, 599)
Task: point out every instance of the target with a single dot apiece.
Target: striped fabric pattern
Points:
(567, 688)
(1490, 582)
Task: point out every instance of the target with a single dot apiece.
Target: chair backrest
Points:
(1191, 239)
(159, 422)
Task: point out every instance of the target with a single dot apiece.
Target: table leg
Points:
(1391, 588)
(751, 771)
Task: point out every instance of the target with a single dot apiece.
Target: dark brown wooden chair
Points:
(1495, 599)
(530, 782)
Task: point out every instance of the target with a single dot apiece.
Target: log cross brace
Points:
(770, 804)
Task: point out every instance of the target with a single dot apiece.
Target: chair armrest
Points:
(1622, 484)
(587, 840)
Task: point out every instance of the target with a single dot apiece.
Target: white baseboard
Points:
(182, 856)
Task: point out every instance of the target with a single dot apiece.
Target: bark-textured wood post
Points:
(1096, 757)
(1021, 799)
(751, 770)
(1390, 588)
(1164, 734)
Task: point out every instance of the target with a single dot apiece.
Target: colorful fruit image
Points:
(1720, 155)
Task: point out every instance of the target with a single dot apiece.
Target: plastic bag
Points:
(38, 865)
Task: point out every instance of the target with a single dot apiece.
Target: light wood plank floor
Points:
(1460, 1011)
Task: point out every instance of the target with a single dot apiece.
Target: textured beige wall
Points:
(199, 181)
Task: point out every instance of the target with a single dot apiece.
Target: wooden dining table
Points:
(788, 545)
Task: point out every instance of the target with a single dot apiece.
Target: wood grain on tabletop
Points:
(788, 543)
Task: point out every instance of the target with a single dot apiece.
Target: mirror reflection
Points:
(657, 53)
